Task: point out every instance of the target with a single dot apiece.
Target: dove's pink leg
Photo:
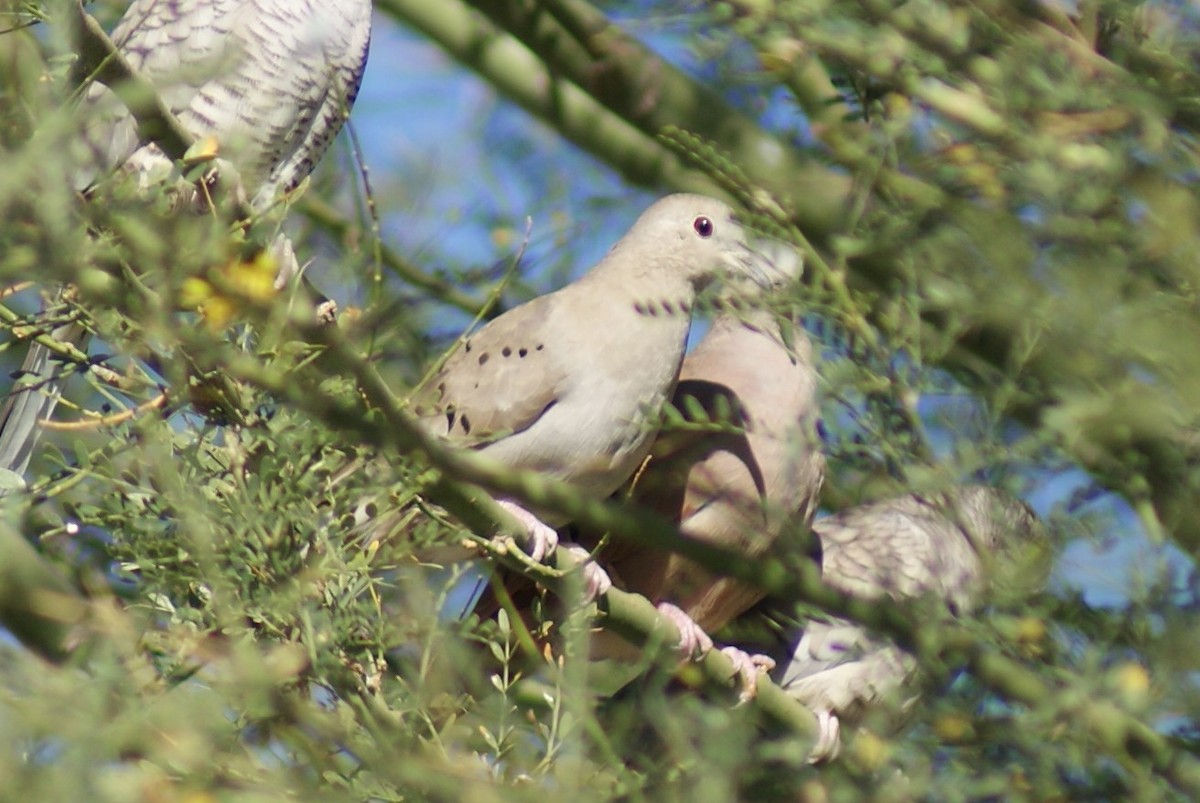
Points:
(542, 538)
(596, 581)
(829, 738)
(748, 666)
(693, 640)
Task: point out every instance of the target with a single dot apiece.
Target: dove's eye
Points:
(703, 226)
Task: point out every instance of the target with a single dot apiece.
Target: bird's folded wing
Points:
(499, 382)
(837, 666)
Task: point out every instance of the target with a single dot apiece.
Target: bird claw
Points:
(829, 738)
(596, 581)
(543, 539)
(748, 666)
(693, 641)
(287, 265)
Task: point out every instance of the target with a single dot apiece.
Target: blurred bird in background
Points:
(263, 85)
(944, 545)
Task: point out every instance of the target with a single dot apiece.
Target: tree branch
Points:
(37, 604)
(99, 59)
(325, 216)
(937, 639)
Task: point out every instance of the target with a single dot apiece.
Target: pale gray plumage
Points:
(733, 490)
(32, 398)
(899, 548)
(736, 488)
(271, 80)
(571, 383)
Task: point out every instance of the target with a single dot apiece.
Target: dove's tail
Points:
(31, 401)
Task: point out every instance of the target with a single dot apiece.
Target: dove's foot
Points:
(542, 537)
(748, 666)
(596, 581)
(693, 641)
(829, 738)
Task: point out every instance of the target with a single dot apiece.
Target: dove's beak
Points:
(781, 261)
(769, 263)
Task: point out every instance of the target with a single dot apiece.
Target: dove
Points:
(272, 81)
(733, 489)
(899, 548)
(571, 384)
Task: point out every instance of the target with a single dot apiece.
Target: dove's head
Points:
(996, 519)
(692, 237)
(1014, 544)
